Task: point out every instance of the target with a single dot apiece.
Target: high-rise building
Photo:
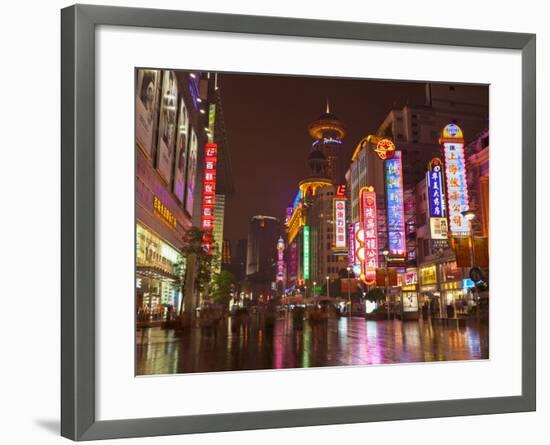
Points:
(226, 252)
(478, 181)
(261, 257)
(415, 129)
(311, 253)
(238, 260)
(217, 232)
(329, 132)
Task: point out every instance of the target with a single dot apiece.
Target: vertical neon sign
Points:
(436, 197)
(340, 218)
(351, 245)
(306, 252)
(369, 260)
(455, 172)
(394, 202)
(208, 194)
(280, 260)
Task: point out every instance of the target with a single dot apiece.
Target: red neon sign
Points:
(209, 194)
(369, 262)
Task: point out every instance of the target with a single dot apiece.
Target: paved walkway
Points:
(336, 343)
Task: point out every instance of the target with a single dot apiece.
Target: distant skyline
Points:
(266, 120)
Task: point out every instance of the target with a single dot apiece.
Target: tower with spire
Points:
(328, 133)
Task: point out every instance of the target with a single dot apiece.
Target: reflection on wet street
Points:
(336, 342)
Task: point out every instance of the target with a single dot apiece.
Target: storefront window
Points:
(160, 268)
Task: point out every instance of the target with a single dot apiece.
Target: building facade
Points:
(261, 257)
(175, 121)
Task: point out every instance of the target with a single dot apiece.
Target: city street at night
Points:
(262, 225)
(336, 342)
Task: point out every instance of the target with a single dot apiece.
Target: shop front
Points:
(429, 295)
(456, 289)
(159, 267)
(409, 295)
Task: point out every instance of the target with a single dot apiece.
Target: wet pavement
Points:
(337, 342)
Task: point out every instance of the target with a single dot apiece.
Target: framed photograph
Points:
(260, 211)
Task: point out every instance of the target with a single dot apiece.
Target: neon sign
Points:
(351, 246)
(209, 194)
(339, 223)
(369, 260)
(327, 141)
(394, 201)
(385, 149)
(455, 172)
(359, 256)
(297, 199)
(280, 260)
(436, 197)
(306, 252)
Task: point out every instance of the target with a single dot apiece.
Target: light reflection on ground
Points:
(337, 342)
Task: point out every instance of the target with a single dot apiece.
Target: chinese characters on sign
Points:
(209, 191)
(457, 188)
(394, 201)
(436, 196)
(369, 262)
(280, 260)
(163, 213)
(339, 223)
(306, 252)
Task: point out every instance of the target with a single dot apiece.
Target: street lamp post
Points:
(328, 288)
(470, 215)
(314, 285)
(349, 292)
(385, 252)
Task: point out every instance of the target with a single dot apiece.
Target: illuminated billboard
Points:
(455, 173)
(339, 223)
(369, 260)
(394, 201)
(306, 253)
(436, 199)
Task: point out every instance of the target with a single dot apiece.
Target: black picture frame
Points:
(78, 23)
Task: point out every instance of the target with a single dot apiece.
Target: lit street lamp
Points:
(314, 284)
(385, 252)
(328, 289)
(349, 292)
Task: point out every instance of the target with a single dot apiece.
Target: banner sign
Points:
(280, 261)
(395, 210)
(339, 223)
(455, 173)
(369, 262)
(428, 275)
(209, 193)
(359, 255)
(306, 252)
(434, 180)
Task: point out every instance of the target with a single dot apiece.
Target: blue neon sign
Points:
(394, 199)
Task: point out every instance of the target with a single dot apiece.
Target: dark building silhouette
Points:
(261, 256)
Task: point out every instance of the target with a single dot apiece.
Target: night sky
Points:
(266, 119)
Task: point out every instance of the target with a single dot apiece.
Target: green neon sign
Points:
(306, 252)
